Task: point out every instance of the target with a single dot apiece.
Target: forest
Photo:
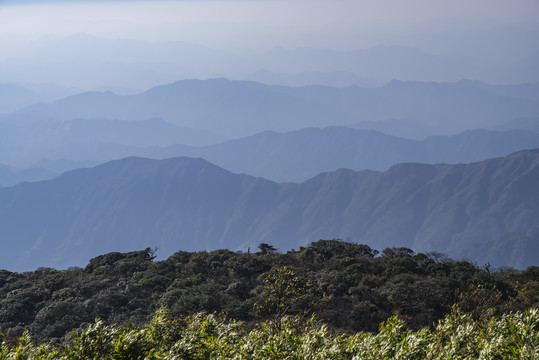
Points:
(329, 295)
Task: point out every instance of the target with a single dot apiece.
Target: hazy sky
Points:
(339, 24)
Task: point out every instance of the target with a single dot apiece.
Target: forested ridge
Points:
(350, 287)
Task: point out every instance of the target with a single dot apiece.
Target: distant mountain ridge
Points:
(299, 155)
(30, 140)
(239, 108)
(293, 156)
(306, 78)
(190, 204)
(14, 96)
(528, 124)
(84, 61)
(10, 176)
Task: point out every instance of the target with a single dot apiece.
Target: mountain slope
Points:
(190, 204)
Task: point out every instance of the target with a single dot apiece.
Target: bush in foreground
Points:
(202, 336)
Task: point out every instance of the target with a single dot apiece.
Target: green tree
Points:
(267, 249)
(283, 289)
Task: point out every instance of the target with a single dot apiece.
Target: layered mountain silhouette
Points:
(10, 176)
(82, 60)
(522, 90)
(306, 78)
(299, 155)
(475, 210)
(239, 108)
(293, 156)
(14, 96)
(29, 141)
(528, 124)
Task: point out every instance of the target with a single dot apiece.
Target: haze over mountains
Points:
(292, 156)
(364, 85)
(160, 122)
(10, 176)
(299, 155)
(16, 96)
(193, 205)
(90, 62)
(95, 210)
(237, 108)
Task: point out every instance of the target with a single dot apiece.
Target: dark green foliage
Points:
(267, 248)
(112, 258)
(283, 291)
(205, 337)
(348, 286)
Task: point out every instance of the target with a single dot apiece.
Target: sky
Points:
(337, 24)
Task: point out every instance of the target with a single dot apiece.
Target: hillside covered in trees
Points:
(348, 286)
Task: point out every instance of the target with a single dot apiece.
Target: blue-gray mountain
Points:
(85, 61)
(528, 124)
(305, 78)
(486, 211)
(14, 96)
(238, 108)
(10, 176)
(26, 142)
(300, 155)
(293, 156)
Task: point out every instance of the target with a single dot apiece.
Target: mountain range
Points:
(299, 155)
(233, 109)
(86, 61)
(14, 96)
(477, 210)
(10, 176)
(293, 156)
(306, 78)
(528, 124)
